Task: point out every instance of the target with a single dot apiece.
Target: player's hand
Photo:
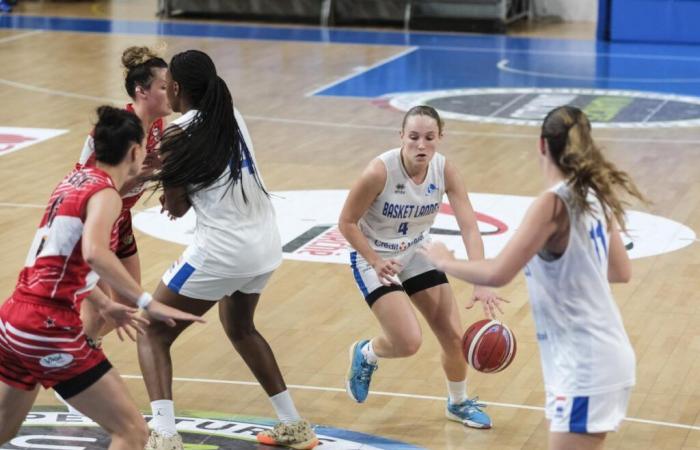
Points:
(437, 253)
(124, 319)
(161, 199)
(152, 162)
(490, 302)
(387, 270)
(164, 313)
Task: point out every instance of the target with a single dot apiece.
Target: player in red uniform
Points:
(42, 341)
(145, 84)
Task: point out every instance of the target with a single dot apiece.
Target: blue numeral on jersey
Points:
(596, 234)
(403, 228)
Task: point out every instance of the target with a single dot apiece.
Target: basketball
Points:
(489, 346)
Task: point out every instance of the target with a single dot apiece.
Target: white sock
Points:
(284, 407)
(163, 421)
(368, 351)
(71, 409)
(457, 391)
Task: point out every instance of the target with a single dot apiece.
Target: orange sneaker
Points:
(298, 435)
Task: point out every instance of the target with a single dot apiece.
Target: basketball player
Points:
(209, 165)
(42, 341)
(145, 84)
(570, 247)
(387, 215)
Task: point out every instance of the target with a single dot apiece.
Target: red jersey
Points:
(155, 133)
(55, 271)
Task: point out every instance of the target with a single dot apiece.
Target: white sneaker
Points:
(159, 442)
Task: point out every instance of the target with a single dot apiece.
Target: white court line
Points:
(42, 90)
(503, 66)
(15, 37)
(318, 123)
(364, 70)
(20, 205)
(501, 51)
(414, 396)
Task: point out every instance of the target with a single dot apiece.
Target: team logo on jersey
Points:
(400, 189)
(55, 360)
(308, 225)
(44, 429)
(430, 189)
(13, 139)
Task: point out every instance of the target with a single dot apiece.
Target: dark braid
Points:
(198, 156)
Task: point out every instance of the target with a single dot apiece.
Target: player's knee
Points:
(159, 333)
(240, 332)
(408, 345)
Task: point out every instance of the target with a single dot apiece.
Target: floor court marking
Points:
(349, 37)
(503, 66)
(413, 396)
(349, 76)
(15, 37)
(318, 123)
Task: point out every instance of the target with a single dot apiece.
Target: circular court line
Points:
(503, 66)
(318, 123)
(403, 395)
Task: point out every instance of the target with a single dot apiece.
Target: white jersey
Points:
(401, 216)
(583, 344)
(232, 237)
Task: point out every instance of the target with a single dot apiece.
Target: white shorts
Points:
(413, 264)
(182, 278)
(599, 413)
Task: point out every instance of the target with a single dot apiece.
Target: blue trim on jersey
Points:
(356, 274)
(180, 278)
(578, 422)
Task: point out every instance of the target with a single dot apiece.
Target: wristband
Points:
(144, 300)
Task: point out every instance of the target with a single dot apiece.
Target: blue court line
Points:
(437, 41)
(443, 60)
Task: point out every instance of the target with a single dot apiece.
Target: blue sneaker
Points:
(469, 413)
(359, 374)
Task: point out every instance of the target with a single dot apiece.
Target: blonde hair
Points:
(135, 56)
(567, 131)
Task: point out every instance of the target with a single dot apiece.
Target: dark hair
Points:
(139, 63)
(115, 132)
(424, 110)
(197, 156)
(567, 131)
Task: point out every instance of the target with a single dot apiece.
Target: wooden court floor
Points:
(312, 312)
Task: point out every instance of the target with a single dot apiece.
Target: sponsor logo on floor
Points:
(45, 429)
(528, 106)
(308, 225)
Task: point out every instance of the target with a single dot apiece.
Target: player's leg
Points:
(107, 402)
(183, 288)
(237, 313)
(15, 403)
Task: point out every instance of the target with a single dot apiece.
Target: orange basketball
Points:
(489, 346)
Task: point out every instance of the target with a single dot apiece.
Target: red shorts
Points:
(126, 246)
(43, 344)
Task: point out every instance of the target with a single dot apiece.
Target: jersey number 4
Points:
(403, 228)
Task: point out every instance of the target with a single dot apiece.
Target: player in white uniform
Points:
(570, 247)
(209, 165)
(387, 215)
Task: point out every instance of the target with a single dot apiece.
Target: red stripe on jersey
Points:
(55, 270)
